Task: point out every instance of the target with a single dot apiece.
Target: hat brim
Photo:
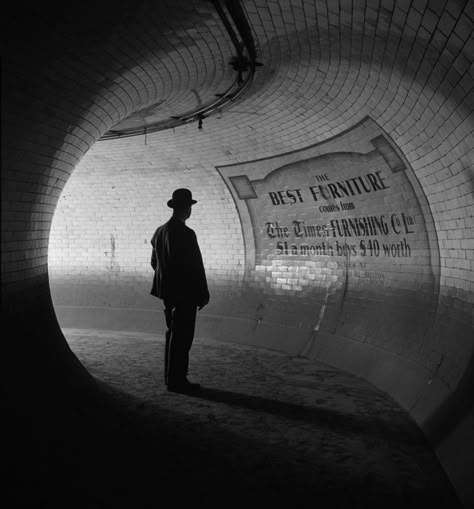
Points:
(171, 205)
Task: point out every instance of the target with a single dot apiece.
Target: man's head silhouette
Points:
(181, 198)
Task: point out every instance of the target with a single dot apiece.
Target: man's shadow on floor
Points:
(400, 430)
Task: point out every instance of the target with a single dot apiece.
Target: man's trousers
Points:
(180, 323)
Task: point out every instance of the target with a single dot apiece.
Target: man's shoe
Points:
(185, 387)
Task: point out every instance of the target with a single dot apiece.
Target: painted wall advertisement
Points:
(347, 212)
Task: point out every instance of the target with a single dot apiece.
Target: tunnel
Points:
(330, 148)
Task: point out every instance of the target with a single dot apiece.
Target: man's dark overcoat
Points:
(177, 262)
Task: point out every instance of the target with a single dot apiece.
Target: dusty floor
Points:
(267, 430)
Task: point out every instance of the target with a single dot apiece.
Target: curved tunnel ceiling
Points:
(335, 77)
(237, 54)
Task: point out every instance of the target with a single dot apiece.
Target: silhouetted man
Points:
(180, 281)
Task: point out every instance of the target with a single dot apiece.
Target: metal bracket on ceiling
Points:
(244, 63)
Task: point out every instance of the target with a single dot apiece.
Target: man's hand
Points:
(205, 302)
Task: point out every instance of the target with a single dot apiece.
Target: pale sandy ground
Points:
(267, 430)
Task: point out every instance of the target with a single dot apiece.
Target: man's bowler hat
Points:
(181, 198)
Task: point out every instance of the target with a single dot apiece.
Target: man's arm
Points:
(153, 260)
(199, 273)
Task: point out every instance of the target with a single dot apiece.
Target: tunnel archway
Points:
(408, 67)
